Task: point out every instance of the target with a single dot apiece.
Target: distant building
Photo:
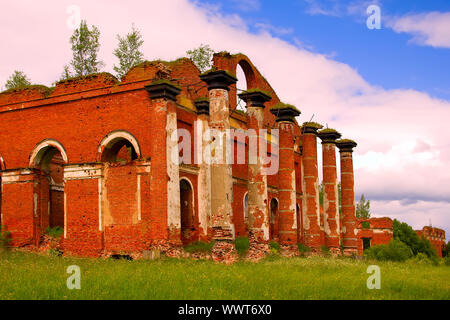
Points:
(436, 236)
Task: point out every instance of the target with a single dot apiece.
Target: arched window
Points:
(119, 146)
(246, 207)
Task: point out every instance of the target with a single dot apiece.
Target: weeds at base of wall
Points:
(242, 245)
(199, 246)
(55, 232)
(5, 239)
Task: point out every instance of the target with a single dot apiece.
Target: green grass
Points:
(199, 246)
(31, 276)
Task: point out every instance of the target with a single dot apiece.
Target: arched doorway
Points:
(274, 219)
(187, 211)
(121, 192)
(49, 157)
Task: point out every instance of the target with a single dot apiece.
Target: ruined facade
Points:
(436, 237)
(372, 232)
(94, 156)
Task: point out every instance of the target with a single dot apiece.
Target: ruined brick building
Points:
(92, 155)
(436, 237)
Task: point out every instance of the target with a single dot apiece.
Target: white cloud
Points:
(403, 135)
(428, 29)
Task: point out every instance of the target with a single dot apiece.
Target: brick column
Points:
(348, 197)
(204, 173)
(287, 188)
(221, 172)
(165, 179)
(330, 195)
(311, 204)
(258, 203)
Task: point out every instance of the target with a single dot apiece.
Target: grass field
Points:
(31, 276)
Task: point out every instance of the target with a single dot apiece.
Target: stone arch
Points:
(246, 80)
(113, 144)
(40, 152)
(274, 218)
(187, 210)
(49, 156)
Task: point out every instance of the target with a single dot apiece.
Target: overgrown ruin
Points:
(92, 155)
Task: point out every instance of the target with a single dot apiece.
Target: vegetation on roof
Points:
(258, 90)
(165, 81)
(201, 99)
(41, 88)
(329, 130)
(106, 75)
(214, 69)
(312, 125)
(282, 105)
(346, 141)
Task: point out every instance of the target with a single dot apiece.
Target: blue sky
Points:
(383, 57)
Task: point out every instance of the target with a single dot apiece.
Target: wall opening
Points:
(50, 160)
(246, 212)
(119, 151)
(187, 211)
(366, 243)
(274, 219)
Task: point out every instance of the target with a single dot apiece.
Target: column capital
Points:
(202, 106)
(329, 136)
(346, 145)
(163, 89)
(311, 127)
(218, 79)
(255, 98)
(285, 112)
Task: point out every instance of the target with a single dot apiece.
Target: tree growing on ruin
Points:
(17, 80)
(202, 57)
(85, 47)
(363, 208)
(128, 52)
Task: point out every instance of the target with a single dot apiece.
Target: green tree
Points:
(406, 234)
(363, 208)
(17, 80)
(85, 47)
(202, 57)
(128, 52)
